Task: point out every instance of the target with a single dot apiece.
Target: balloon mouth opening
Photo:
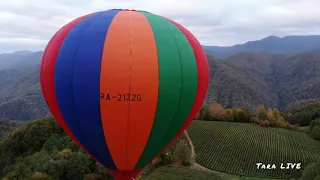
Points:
(125, 175)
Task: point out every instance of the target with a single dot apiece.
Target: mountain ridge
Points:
(270, 44)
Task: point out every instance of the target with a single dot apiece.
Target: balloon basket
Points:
(124, 175)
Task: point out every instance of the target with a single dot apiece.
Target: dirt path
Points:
(194, 164)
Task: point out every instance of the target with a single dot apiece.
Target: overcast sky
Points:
(29, 24)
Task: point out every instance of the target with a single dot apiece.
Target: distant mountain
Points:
(271, 44)
(19, 59)
(251, 78)
(243, 80)
(246, 79)
(20, 95)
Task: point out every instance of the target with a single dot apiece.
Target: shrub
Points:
(254, 119)
(258, 121)
(229, 115)
(241, 115)
(282, 124)
(315, 132)
(315, 123)
(310, 172)
(265, 123)
(92, 177)
(165, 158)
(303, 118)
(204, 114)
(182, 152)
(39, 176)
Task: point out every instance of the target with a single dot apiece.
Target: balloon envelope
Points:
(124, 84)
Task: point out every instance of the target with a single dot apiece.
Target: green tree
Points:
(65, 154)
(240, 115)
(53, 141)
(38, 161)
(303, 118)
(18, 171)
(73, 146)
(69, 165)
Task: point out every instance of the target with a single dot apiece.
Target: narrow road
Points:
(194, 164)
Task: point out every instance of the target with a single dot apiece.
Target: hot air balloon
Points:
(124, 84)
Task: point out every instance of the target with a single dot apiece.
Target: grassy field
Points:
(230, 147)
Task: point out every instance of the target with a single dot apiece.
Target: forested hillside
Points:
(246, 79)
(20, 95)
(41, 150)
(251, 78)
(7, 127)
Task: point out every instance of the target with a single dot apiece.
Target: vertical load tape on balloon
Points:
(124, 84)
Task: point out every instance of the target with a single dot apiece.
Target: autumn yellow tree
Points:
(276, 113)
(280, 121)
(217, 112)
(271, 118)
(261, 112)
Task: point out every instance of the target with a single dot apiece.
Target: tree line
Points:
(303, 118)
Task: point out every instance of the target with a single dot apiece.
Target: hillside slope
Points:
(231, 87)
(251, 78)
(298, 77)
(225, 147)
(20, 96)
(245, 79)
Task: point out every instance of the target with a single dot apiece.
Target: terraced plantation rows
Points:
(180, 173)
(232, 147)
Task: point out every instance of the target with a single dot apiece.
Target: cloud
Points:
(29, 24)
